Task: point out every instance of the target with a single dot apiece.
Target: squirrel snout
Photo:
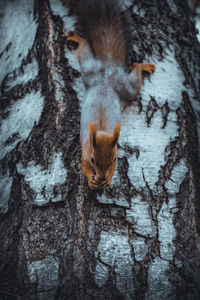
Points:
(98, 178)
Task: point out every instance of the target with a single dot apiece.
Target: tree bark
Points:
(137, 239)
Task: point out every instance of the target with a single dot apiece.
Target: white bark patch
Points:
(118, 201)
(44, 273)
(115, 179)
(19, 123)
(126, 4)
(138, 215)
(138, 11)
(73, 62)
(15, 18)
(151, 142)
(30, 71)
(61, 10)
(79, 88)
(140, 248)
(103, 199)
(176, 178)
(69, 22)
(43, 182)
(172, 6)
(159, 286)
(101, 274)
(198, 28)
(5, 189)
(121, 202)
(166, 230)
(197, 19)
(115, 251)
(164, 85)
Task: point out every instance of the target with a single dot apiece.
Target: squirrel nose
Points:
(98, 178)
(102, 179)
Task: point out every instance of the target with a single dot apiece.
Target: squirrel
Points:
(101, 35)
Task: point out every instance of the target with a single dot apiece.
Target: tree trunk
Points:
(139, 238)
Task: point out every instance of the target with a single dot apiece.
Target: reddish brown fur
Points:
(142, 67)
(110, 44)
(150, 68)
(103, 148)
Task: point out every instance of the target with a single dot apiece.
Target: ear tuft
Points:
(92, 133)
(116, 133)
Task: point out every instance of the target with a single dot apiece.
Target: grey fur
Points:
(106, 84)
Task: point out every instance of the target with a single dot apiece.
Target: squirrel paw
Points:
(68, 34)
(72, 36)
(92, 184)
(150, 68)
(105, 183)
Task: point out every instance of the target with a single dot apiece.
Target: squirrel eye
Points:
(92, 160)
(115, 159)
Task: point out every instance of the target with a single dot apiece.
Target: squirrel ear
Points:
(116, 133)
(92, 133)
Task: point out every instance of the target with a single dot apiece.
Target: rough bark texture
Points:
(139, 239)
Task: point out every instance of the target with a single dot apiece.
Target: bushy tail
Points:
(104, 27)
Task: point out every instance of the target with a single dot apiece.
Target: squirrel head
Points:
(103, 151)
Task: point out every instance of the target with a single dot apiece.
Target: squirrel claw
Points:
(92, 184)
(150, 68)
(69, 34)
(105, 183)
(72, 36)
